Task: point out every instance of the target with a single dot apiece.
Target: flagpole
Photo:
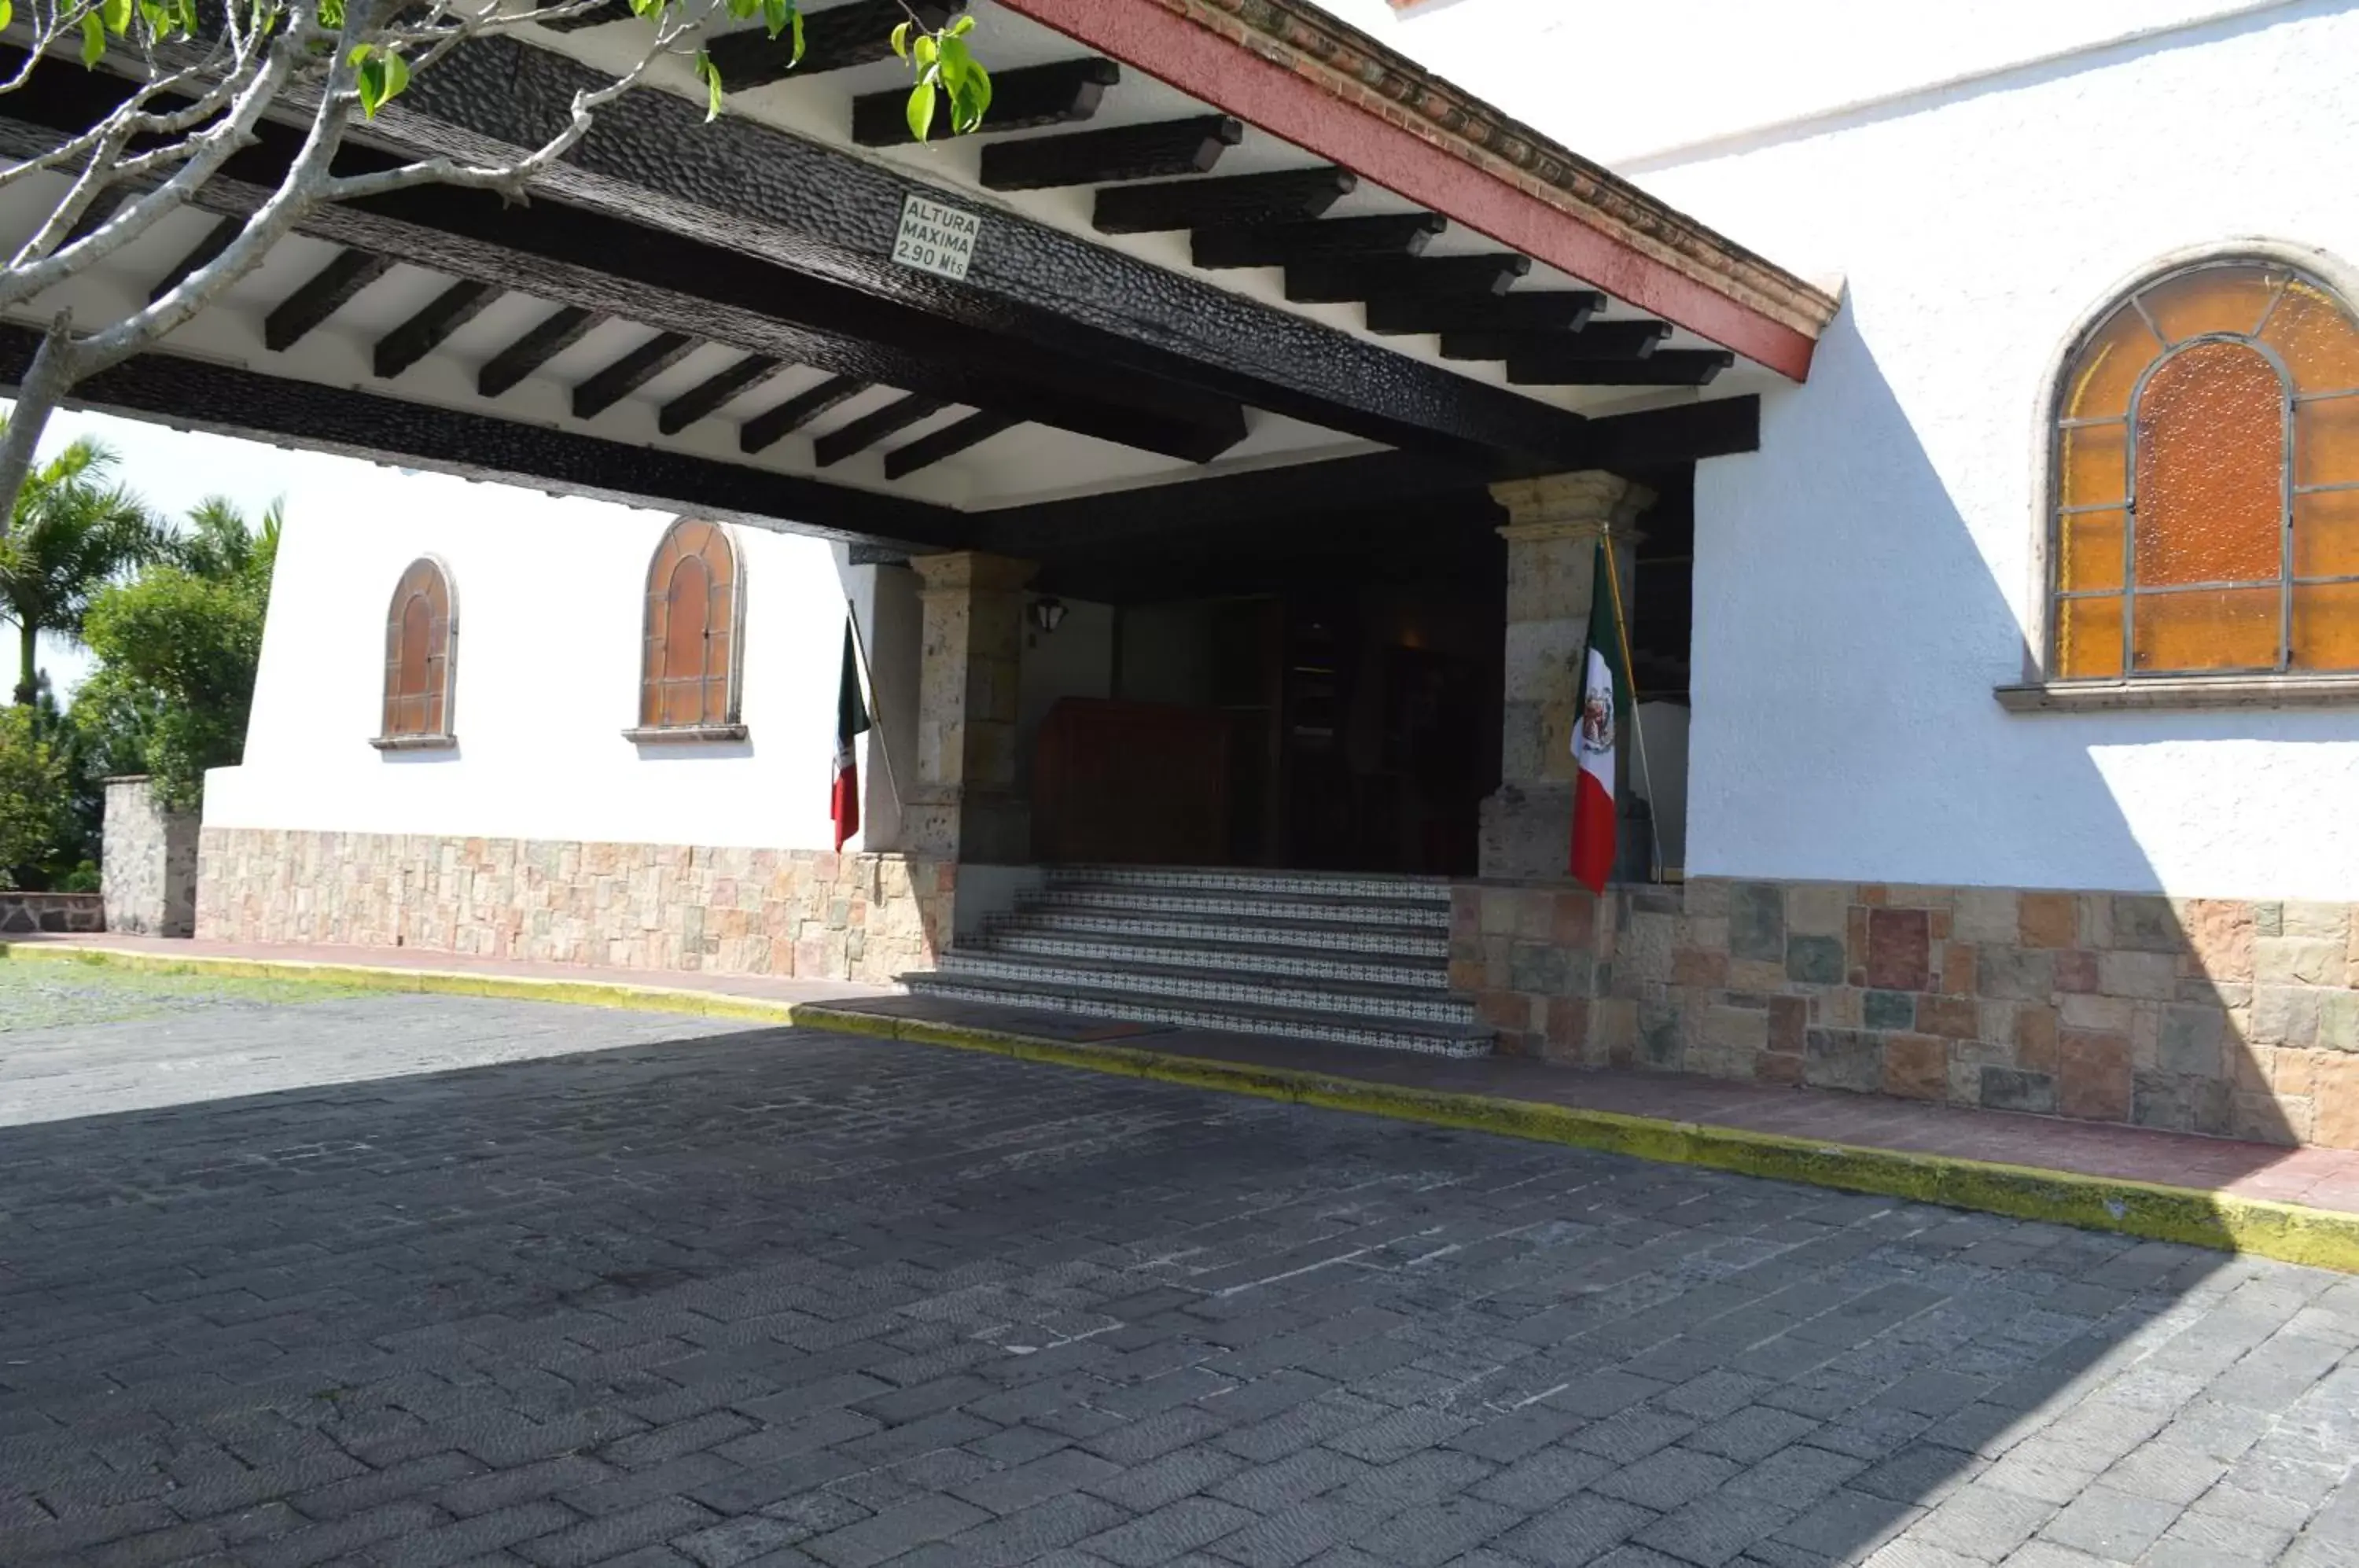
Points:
(1622, 635)
(883, 750)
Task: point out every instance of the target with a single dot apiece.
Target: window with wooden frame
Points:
(2206, 485)
(421, 646)
(689, 664)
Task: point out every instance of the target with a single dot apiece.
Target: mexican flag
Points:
(1597, 735)
(851, 719)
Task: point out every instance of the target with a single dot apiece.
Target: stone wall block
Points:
(1952, 1017)
(2334, 1102)
(2048, 919)
(1706, 896)
(1888, 1010)
(1899, 949)
(1756, 921)
(2151, 975)
(2015, 1089)
(2293, 960)
(2095, 1081)
(2190, 1041)
(1987, 914)
(1815, 961)
(2220, 936)
(2338, 1020)
(1816, 909)
(1916, 1067)
(2328, 923)
(2146, 924)
(1574, 921)
(2284, 1015)
(1843, 1059)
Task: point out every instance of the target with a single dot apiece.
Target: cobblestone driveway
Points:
(785, 1299)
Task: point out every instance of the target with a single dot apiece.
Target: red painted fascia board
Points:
(1149, 36)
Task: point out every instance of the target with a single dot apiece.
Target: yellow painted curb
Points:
(2322, 1238)
(442, 982)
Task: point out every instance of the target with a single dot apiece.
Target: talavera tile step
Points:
(1322, 936)
(1386, 1034)
(1147, 898)
(1239, 957)
(1197, 986)
(1314, 884)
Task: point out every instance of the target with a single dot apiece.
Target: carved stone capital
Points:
(1571, 506)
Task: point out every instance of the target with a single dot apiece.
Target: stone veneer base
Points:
(807, 914)
(2232, 1017)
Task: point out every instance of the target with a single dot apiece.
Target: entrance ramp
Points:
(1345, 958)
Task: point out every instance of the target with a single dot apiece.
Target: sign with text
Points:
(935, 238)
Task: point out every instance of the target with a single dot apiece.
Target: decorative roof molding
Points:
(1356, 69)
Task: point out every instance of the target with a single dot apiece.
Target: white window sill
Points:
(414, 742)
(685, 734)
(2181, 691)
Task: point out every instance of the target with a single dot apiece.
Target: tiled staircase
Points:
(1358, 960)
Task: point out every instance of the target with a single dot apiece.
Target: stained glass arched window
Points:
(2207, 480)
(688, 672)
(421, 637)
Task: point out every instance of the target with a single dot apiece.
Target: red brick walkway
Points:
(2318, 1178)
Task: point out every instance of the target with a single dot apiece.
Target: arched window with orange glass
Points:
(421, 658)
(689, 668)
(2207, 480)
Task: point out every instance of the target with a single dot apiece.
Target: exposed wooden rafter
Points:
(1292, 195)
(1540, 310)
(836, 38)
(707, 395)
(556, 332)
(1279, 244)
(217, 240)
(423, 333)
(1158, 150)
(330, 289)
(1542, 365)
(1062, 94)
(629, 373)
(1598, 340)
(768, 426)
(871, 427)
(1417, 278)
(948, 441)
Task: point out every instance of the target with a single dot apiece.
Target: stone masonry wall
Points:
(2230, 1016)
(800, 913)
(149, 870)
(27, 914)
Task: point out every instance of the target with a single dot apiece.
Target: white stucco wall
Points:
(1865, 579)
(551, 595)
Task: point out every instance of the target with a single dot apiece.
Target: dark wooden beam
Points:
(1541, 311)
(1277, 244)
(629, 373)
(1598, 340)
(198, 394)
(1027, 99)
(330, 289)
(601, 15)
(423, 333)
(834, 40)
(1335, 279)
(1689, 433)
(217, 240)
(871, 427)
(1049, 326)
(1288, 196)
(1664, 367)
(708, 396)
(1158, 150)
(557, 332)
(770, 424)
(948, 441)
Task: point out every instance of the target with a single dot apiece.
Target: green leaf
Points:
(901, 40)
(921, 110)
(116, 14)
(93, 38)
(924, 51)
(8, 13)
(969, 106)
(711, 77)
(961, 28)
(396, 77)
(371, 82)
(795, 14)
(331, 13)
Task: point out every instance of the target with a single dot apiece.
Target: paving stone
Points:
(2116, 1525)
(834, 1304)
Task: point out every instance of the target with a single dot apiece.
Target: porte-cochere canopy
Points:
(1242, 246)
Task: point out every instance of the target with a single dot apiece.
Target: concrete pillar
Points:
(964, 805)
(1553, 526)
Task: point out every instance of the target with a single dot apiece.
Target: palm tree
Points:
(71, 535)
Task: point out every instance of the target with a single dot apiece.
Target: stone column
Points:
(964, 805)
(1552, 531)
(148, 868)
